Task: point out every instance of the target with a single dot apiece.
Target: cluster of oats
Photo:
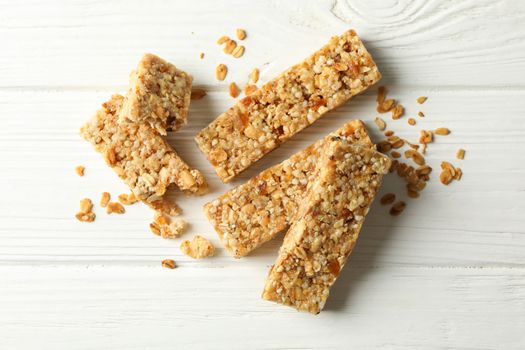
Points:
(260, 122)
(255, 212)
(326, 227)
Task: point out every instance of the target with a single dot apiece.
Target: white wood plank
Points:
(86, 307)
(424, 43)
(476, 222)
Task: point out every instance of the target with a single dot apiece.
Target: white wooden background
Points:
(448, 274)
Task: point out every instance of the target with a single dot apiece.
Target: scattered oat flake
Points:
(386, 106)
(168, 263)
(222, 39)
(173, 230)
(241, 34)
(80, 170)
(127, 199)
(154, 228)
(249, 89)
(233, 90)
(86, 205)
(229, 47)
(198, 248)
(381, 93)
(424, 148)
(411, 121)
(384, 146)
(104, 199)
(254, 75)
(396, 142)
(201, 55)
(423, 170)
(421, 114)
(388, 198)
(459, 174)
(413, 194)
(442, 131)
(389, 133)
(421, 99)
(445, 177)
(85, 217)
(197, 94)
(381, 125)
(238, 51)
(161, 219)
(398, 111)
(425, 136)
(397, 208)
(221, 71)
(115, 207)
(460, 154)
(395, 154)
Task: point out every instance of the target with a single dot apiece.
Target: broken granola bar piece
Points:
(253, 213)
(259, 123)
(139, 155)
(159, 94)
(326, 227)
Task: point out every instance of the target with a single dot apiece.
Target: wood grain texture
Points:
(448, 274)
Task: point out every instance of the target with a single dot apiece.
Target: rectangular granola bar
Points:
(159, 94)
(326, 227)
(139, 155)
(259, 123)
(256, 211)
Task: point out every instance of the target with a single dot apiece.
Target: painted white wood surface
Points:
(448, 274)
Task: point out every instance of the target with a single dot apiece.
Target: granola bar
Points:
(259, 123)
(256, 211)
(326, 227)
(159, 94)
(139, 155)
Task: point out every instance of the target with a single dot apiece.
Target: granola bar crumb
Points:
(154, 228)
(161, 220)
(168, 263)
(201, 55)
(445, 177)
(254, 75)
(86, 205)
(411, 121)
(115, 207)
(241, 34)
(173, 230)
(395, 154)
(127, 199)
(425, 136)
(85, 217)
(238, 51)
(388, 198)
(79, 169)
(198, 248)
(459, 174)
(397, 111)
(85, 214)
(460, 154)
(397, 208)
(421, 114)
(233, 90)
(104, 199)
(421, 99)
(221, 71)
(381, 125)
(442, 131)
(249, 89)
(197, 94)
(389, 133)
(386, 106)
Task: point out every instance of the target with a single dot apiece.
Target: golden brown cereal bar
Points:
(159, 94)
(139, 155)
(259, 123)
(326, 227)
(256, 211)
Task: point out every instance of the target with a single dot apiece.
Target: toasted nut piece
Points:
(254, 75)
(154, 228)
(229, 47)
(397, 111)
(425, 136)
(411, 121)
(173, 230)
(397, 208)
(442, 131)
(233, 89)
(197, 94)
(104, 199)
(198, 248)
(127, 199)
(389, 133)
(85, 217)
(79, 169)
(421, 114)
(168, 263)
(221, 71)
(388, 198)
(395, 154)
(421, 99)
(249, 89)
(238, 51)
(380, 123)
(386, 106)
(115, 207)
(445, 177)
(381, 93)
(86, 205)
(201, 55)
(460, 154)
(241, 34)
(222, 39)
